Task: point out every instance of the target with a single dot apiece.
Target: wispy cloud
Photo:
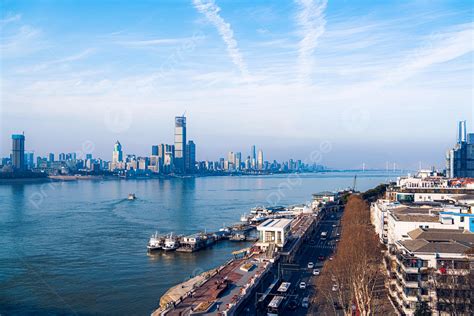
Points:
(156, 42)
(10, 18)
(22, 42)
(60, 61)
(211, 11)
(440, 48)
(312, 22)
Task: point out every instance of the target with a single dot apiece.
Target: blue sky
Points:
(381, 81)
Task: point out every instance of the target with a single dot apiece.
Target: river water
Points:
(80, 247)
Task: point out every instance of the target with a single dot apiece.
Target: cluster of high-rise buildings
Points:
(178, 158)
(426, 223)
(460, 159)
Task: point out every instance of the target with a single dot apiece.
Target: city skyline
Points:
(368, 74)
(88, 148)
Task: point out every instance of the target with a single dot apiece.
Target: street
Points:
(315, 250)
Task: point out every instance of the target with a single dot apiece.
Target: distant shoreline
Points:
(68, 178)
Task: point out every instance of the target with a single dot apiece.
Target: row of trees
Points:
(352, 281)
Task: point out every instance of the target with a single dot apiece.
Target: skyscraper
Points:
(51, 157)
(154, 150)
(462, 138)
(253, 157)
(180, 144)
(29, 160)
(260, 159)
(238, 160)
(190, 156)
(460, 159)
(117, 157)
(18, 151)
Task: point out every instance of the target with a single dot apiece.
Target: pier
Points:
(202, 240)
(228, 289)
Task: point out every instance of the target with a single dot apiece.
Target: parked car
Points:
(310, 265)
(316, 272)
(335, 288)
(305, 302)
(321, 258)
(302, 285)
(292, 305)
(331, 258)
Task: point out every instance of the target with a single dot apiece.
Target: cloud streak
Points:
(312, 22)
(441, 48)
(211, 11)
(157, 42)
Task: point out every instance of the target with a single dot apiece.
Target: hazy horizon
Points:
(381, 83)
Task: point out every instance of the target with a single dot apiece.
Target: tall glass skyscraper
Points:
(180, 144)
(190, 156)
(18, 152)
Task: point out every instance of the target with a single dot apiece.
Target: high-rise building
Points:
(460, 159)
(470, 138)
(18, 151)
(154, 150)
(190, 156)
(117, 157)
(253, 157)
(462, 138)
(29, 160)
(238, 161)
(230, 160)
(260, 159)
(62, 157)
(168, 158)
(180, 144)
(51, 157)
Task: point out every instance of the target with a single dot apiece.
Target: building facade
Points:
(460, 159)
(18, 152)
(180, 144)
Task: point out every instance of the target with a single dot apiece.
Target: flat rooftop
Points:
(416, 214)
(213, 291)
(275, 223)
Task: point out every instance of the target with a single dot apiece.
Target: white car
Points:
(302, 285)
(334, 225)
(316, 272)
(310, 265)
(335, 288)
(331, 258)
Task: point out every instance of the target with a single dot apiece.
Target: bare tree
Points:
(349, 280)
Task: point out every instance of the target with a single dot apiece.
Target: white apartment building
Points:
(432, 266)
(392, 220)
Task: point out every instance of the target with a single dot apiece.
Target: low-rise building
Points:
(274, 232)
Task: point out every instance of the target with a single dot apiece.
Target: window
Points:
(462, 219)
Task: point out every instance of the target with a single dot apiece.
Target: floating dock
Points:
(202, 240)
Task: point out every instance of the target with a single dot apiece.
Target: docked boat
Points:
(244, 218)
(171, 243)
(156, 242)
(131, 196)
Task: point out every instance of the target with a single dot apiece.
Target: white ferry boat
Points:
(155, 242)
(171, 243)
(131, 196)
